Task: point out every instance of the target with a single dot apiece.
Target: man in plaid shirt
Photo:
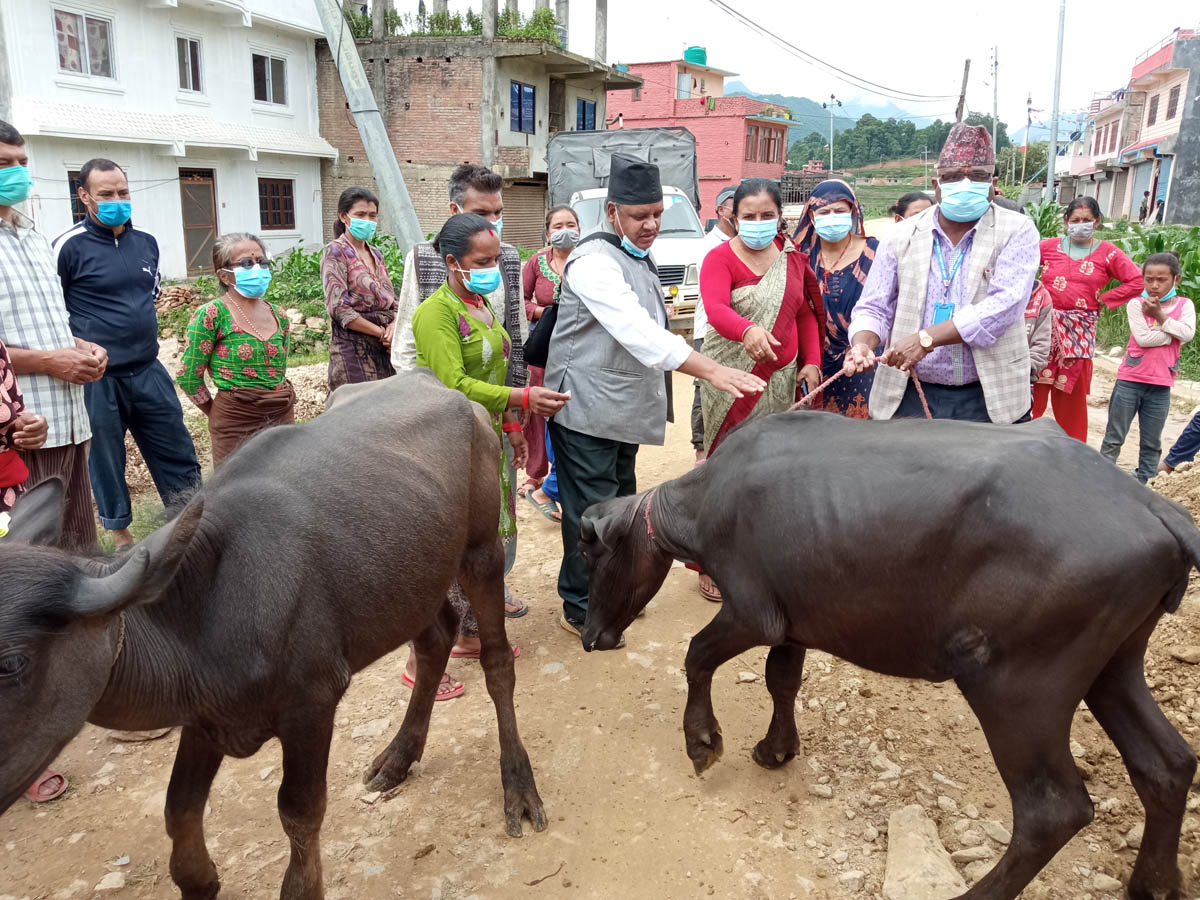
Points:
(51, 364)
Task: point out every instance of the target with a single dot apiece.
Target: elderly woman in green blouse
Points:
(460, 338)
(241, 340)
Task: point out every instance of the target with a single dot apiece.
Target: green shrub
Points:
(1047, 216)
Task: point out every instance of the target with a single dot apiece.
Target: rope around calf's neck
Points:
(806, 401)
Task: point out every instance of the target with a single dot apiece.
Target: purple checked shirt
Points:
(980, 324)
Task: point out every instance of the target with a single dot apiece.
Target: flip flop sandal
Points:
(474, 654)
(547, 508)
(713, 594)
(521, 607)
(531, 485)
(456, 691)
(37, 795)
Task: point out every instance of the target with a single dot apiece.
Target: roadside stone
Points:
(374, 728)
(976, 870)
(886, 769)
(1077, 749)
(1106, 883)
(942, 779)
(820, 790)
(747, 678)
(918, 866)
(971, 811)
(971, 854)
(840, 856)
(1134, 836)
(852, 880)
(996, 832)
(1189, 654)
(315, 323)
(971, 838)
(947, 804)
(113, 881)
(870, 833)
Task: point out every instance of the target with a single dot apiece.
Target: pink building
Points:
(736, 137)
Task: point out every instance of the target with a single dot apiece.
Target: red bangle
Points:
(525, 398)
(510, 427)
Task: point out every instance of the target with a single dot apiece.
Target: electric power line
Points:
(854, 80)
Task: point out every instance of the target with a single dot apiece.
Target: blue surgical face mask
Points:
(1164, 298)
(833, 226)
(498, 227)
(758, 235)
(630, 247)
(113, 212)
(252, 282)
(966, 200)
(362, 229)
(15, 184)
(481, 281)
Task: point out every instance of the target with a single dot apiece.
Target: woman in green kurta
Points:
(460, 338)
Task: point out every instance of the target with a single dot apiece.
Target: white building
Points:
(209, 105)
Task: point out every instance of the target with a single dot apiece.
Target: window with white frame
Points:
(187, 52)
(84, 43)
(270, 79)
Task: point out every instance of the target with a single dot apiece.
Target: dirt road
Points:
(629, 818)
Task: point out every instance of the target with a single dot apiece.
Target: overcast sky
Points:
(914, 47)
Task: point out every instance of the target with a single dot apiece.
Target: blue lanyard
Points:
(947, 278)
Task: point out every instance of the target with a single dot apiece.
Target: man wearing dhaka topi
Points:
(945, 296)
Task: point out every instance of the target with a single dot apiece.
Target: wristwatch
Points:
(926, 339)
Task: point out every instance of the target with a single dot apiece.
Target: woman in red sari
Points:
(764, 309)
(764, 316)
(1075, 270)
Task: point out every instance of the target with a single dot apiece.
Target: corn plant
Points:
(1047, 216)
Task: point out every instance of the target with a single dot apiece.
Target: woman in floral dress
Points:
(1076, 269)
(358, 294)
(241, 341)
(831, 235)
(462, 341)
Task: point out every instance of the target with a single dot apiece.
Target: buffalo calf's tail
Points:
(1179, 522)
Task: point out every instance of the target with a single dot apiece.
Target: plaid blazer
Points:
(1003, 368)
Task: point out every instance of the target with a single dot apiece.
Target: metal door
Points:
(1141, 184)
(198, 196)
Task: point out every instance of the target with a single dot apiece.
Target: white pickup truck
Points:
(677, 252)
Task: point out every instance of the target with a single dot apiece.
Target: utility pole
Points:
(397, 207)
(1062, 16)
(962, 96)
(1028, 127)
(995, 93)
(379, 31)
(925, 156)
(833, 101)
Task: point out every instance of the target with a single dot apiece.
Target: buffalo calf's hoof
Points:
(705, 749)
(1141, 889)
(389, 770)
(769, 755)
(525, 804)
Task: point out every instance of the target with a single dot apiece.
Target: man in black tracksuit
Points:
(109, 272)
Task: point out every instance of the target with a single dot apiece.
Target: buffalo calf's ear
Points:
(37, 516)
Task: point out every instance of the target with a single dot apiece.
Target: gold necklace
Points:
(249, 322)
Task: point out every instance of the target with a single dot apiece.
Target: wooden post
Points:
(962, 97)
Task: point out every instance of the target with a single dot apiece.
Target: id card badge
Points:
(942, 312)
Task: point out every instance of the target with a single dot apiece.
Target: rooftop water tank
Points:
(696, 55)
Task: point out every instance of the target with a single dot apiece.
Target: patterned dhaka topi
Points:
(967, 146)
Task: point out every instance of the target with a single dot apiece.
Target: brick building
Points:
(736, 137)
(451, 100)
(1144, 137)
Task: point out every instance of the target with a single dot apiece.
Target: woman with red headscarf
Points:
(831, 235)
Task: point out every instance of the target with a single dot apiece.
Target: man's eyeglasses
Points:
(248, 263)
(953, 176)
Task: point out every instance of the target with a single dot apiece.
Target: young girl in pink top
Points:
(1160, 323)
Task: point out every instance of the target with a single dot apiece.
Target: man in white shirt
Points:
(609, 350)
(725, 228)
